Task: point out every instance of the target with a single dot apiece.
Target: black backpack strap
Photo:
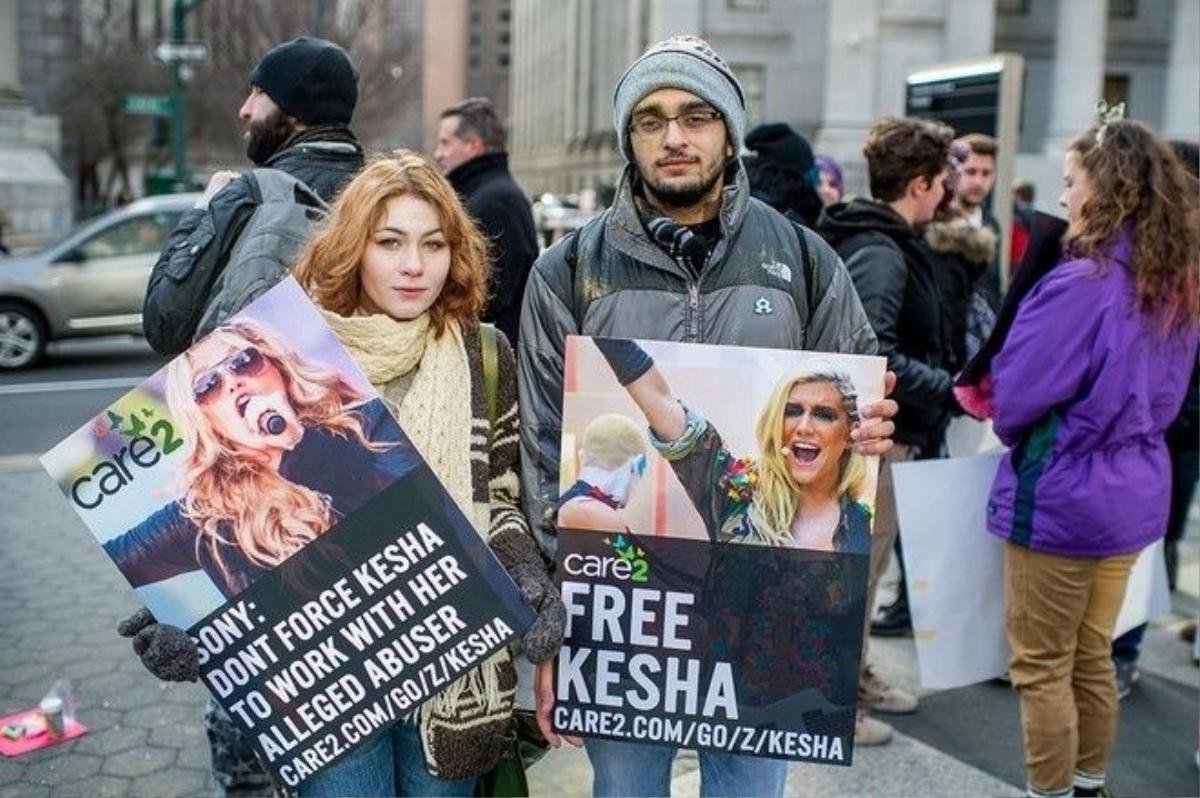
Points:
(810, 272)
(574, 241)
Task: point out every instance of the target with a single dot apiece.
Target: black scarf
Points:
(684, 246)
(335, 133)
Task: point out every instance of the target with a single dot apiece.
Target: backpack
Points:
(286, 212)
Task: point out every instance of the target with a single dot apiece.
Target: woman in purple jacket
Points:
(1091, 373)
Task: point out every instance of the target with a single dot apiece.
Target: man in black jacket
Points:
(296, 117)
(470, 152)
(879, 241)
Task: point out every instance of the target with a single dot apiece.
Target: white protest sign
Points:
(955, 571)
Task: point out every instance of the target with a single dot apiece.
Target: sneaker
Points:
(876, 694)
(893, 620)
(1188, 633)
(1093, 792)
(1127, 676)
(870, 731)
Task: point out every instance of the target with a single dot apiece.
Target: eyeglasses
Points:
(653, 125)
(248, 362)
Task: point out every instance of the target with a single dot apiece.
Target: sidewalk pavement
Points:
(60, 601)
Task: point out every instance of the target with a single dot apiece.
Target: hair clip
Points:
(1105, 115)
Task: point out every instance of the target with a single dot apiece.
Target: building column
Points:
(970, 30)
(850, 95)
(1079, 45)
(1181, 119)
(10, 71)
(444, 73)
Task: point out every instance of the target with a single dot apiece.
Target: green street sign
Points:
(147, 104)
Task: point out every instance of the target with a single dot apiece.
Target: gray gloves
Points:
(166, 651)
(545, 636)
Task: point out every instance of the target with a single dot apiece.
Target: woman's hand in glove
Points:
(627, 360)
(544, 638)
(166, 651)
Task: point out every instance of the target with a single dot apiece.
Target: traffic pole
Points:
(179, 12)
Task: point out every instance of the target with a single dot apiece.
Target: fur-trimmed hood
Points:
(958, 237)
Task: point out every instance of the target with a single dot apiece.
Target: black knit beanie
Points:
(310, 79)
(779, 143)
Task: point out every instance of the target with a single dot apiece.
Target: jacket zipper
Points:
(693, 320)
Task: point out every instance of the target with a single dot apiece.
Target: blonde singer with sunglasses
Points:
(261, 428)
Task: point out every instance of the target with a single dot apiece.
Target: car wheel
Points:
(22, 336)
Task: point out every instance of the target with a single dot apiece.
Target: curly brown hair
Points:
(1138, 182)
(329, 266)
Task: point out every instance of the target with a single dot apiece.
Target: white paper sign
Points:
(955, 571)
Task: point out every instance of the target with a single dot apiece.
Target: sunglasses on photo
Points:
(247, 362)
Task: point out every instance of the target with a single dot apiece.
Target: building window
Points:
(1122, 9)
(503, 60)
(748, 5)
(505, 38)
(505, 16)
(1012, 8)
(753, 78)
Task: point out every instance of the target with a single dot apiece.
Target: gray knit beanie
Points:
(687, 63)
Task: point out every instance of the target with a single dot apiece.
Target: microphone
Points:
(272, 423)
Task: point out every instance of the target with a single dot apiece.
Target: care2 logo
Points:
(629, 564)
(150, 440)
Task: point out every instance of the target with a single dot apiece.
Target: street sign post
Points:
(181, 52)
(147, 104)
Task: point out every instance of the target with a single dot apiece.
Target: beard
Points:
(264, 137)
(683, 195)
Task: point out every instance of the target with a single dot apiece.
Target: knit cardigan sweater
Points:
(470, 743)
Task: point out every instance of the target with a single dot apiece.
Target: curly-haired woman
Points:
(1092, 371)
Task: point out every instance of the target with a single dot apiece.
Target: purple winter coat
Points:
(1083, 389)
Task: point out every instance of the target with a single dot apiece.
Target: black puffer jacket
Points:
(198, 248)
(894, 277)
(960, 255)
(497, 203)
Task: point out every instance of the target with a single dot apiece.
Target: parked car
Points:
(92, 282)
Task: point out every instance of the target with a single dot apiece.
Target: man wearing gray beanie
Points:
(684, 254)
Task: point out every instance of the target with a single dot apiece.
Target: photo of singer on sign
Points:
(259, 494)
(714, 525)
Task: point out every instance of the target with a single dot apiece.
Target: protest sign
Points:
(715, 586)
(955, 572)
(257, 493)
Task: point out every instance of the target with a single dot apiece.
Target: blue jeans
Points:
(390, 765)
(621, 768)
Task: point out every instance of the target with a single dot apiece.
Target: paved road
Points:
(43, 405)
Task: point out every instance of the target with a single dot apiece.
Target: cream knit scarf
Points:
(435, 414)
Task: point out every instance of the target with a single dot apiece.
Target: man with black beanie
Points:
(782, 172)
(295, 118)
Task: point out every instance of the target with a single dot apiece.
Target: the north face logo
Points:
(777, 269)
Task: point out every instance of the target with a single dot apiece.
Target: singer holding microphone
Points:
(262, 429)
(804, 488)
